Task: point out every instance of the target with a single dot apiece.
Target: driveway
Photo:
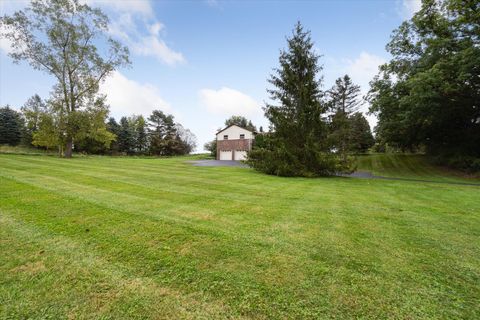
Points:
(218, 163)
(357, 174)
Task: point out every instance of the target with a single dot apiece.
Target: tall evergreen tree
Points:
(343, 101)
(11, 126)
(361, 138)
(141, 137)
(125, 139)
(298, 142)
(160, 128)
(114, 128)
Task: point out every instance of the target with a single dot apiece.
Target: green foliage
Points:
(168, 138)
(298, 144)
(31, 111)
(114, 128)
(211, 147)
(241, 122)
(361, 138)
(141, 138)
(11, 126)
(343, 100)
(61, 37)
(428, 94)
(126, 136)
(349, 130)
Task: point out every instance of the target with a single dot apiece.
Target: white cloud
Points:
(227, 102)
(155, 28)
(409, 7)
(127, 97)
(153, 46)
(144, 38)
(133, 22)
(364, 68)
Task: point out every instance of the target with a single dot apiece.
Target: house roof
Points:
(233, 125)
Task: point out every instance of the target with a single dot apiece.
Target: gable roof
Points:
(233, 125)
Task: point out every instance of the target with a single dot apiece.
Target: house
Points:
(234, 142)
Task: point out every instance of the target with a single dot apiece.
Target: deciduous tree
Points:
(66, 39)
(428, 94)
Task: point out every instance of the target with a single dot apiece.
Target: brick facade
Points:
(233, 145)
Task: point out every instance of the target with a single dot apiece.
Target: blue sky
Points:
(203, 61)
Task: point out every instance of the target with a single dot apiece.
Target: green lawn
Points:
(118, 238)
(410, 167)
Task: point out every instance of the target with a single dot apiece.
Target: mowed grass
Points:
(418, 167)
(133, 238)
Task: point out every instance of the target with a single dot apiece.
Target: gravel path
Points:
(218, 163)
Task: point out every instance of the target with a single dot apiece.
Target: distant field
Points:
(139, 238)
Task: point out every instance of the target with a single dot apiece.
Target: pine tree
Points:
(343, 102)
(126, 142)
(141, 135)
(361, 135)
(11, 126)
(114, 128)
(297, 145)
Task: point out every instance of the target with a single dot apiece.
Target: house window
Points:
(225, 137)
(242, 136)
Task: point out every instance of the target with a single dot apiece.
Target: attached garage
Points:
(240, 155)
(226, 155)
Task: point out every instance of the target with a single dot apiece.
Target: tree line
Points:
(157, 135)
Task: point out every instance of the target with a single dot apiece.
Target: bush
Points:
(464, 163)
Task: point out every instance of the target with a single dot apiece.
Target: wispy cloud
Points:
(133, 21)
(363, 68)
(126, 96)
(227, 102)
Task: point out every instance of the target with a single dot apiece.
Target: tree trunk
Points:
(68, 148)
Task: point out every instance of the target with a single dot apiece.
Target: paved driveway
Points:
(218, 163)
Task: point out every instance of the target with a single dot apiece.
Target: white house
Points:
(234, 142)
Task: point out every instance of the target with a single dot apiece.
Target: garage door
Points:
(226, 155)
(240, 155)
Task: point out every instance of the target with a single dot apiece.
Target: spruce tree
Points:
(114, 128)
(361, 134)
(141, 135)
(11, 126)
(297, 144)
(343, 102)
(126, 142)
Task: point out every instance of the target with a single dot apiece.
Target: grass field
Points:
(411, 167)
(118, 238)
